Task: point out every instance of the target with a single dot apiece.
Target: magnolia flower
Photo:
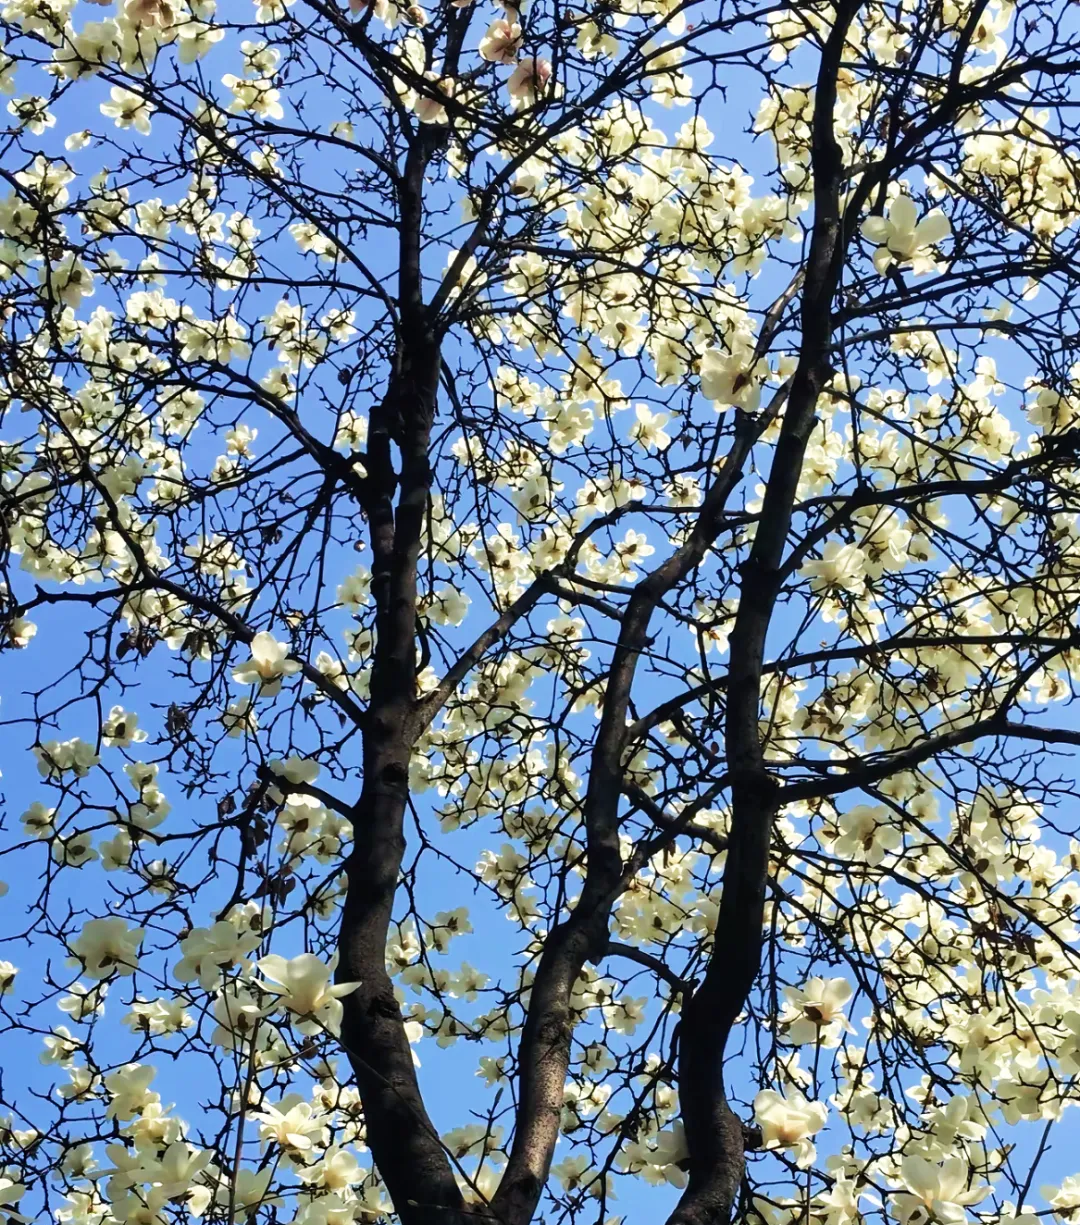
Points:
(157, 1017)
(352, 432)
(20, 630)
(354, 591)
(299, 771)
(83, 1002)
(428, 106)
(815, 1013)
(38, 820)
(10, 1194)
(533, 499)
(866, 833)
(210, 950)
(81, 1084)
(239, 718)
(108, 946)
(789, 1122)
(529, 81)
(293, 1124)
(268, 666)
(935, 1192)
(448, 606)
(237, 1014)
(129, 1089)
(502, 42)
(73, 852)
(730, 379)
(150, 12)
(840, 566)
(69, 280)
(55, 757)
(8, 971)
(249, 1191)
(177, 1167)
(128, 110)
(116, 851)
(60, 1046)
(302, 985)
(336, 1171)
(902, 239)
(121, 729)
(217, 340)
(648, 430)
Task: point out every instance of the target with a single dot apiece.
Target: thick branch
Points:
(714, 1136)
(404, 1143)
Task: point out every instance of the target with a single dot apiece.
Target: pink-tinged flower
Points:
(529, 81)
(501, 43)
(429, 107)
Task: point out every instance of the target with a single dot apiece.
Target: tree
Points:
(436, 466)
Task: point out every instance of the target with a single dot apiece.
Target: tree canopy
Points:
(539, 590)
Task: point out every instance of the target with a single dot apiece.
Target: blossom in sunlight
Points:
(210, 951)
(108, 946)
(11, 1192)
(151, 12)
(38, 820)
(815, 1012)
(934, 1192)
(19, 631)
(840, 567)
(529, 81)
(293, 1124)
(867, 832)
(731, 380)
(902, 238)
(648, 429)
(218, 340)
(302, 985)
(502, 42)
(56, 758)
(128, 110)
(249, 1191)
(789, 1120)
(121, 729)
(156, 1017)
(239, 718)
(176, 1169)
(129, 1090)
(268, 666)
(429, 105)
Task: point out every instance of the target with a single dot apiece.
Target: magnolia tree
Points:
(594, 493)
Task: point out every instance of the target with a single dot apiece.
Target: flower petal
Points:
(903, 214)
(933, 228)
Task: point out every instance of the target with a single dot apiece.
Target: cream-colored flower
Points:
(867, 833)
(788, 1121)
(935, 1192)
(293, 1124)
(107, 947)
(902, 238)
(302, 985)
(268, 666)
(731, 379)
(841, 566)
(815, 1012)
